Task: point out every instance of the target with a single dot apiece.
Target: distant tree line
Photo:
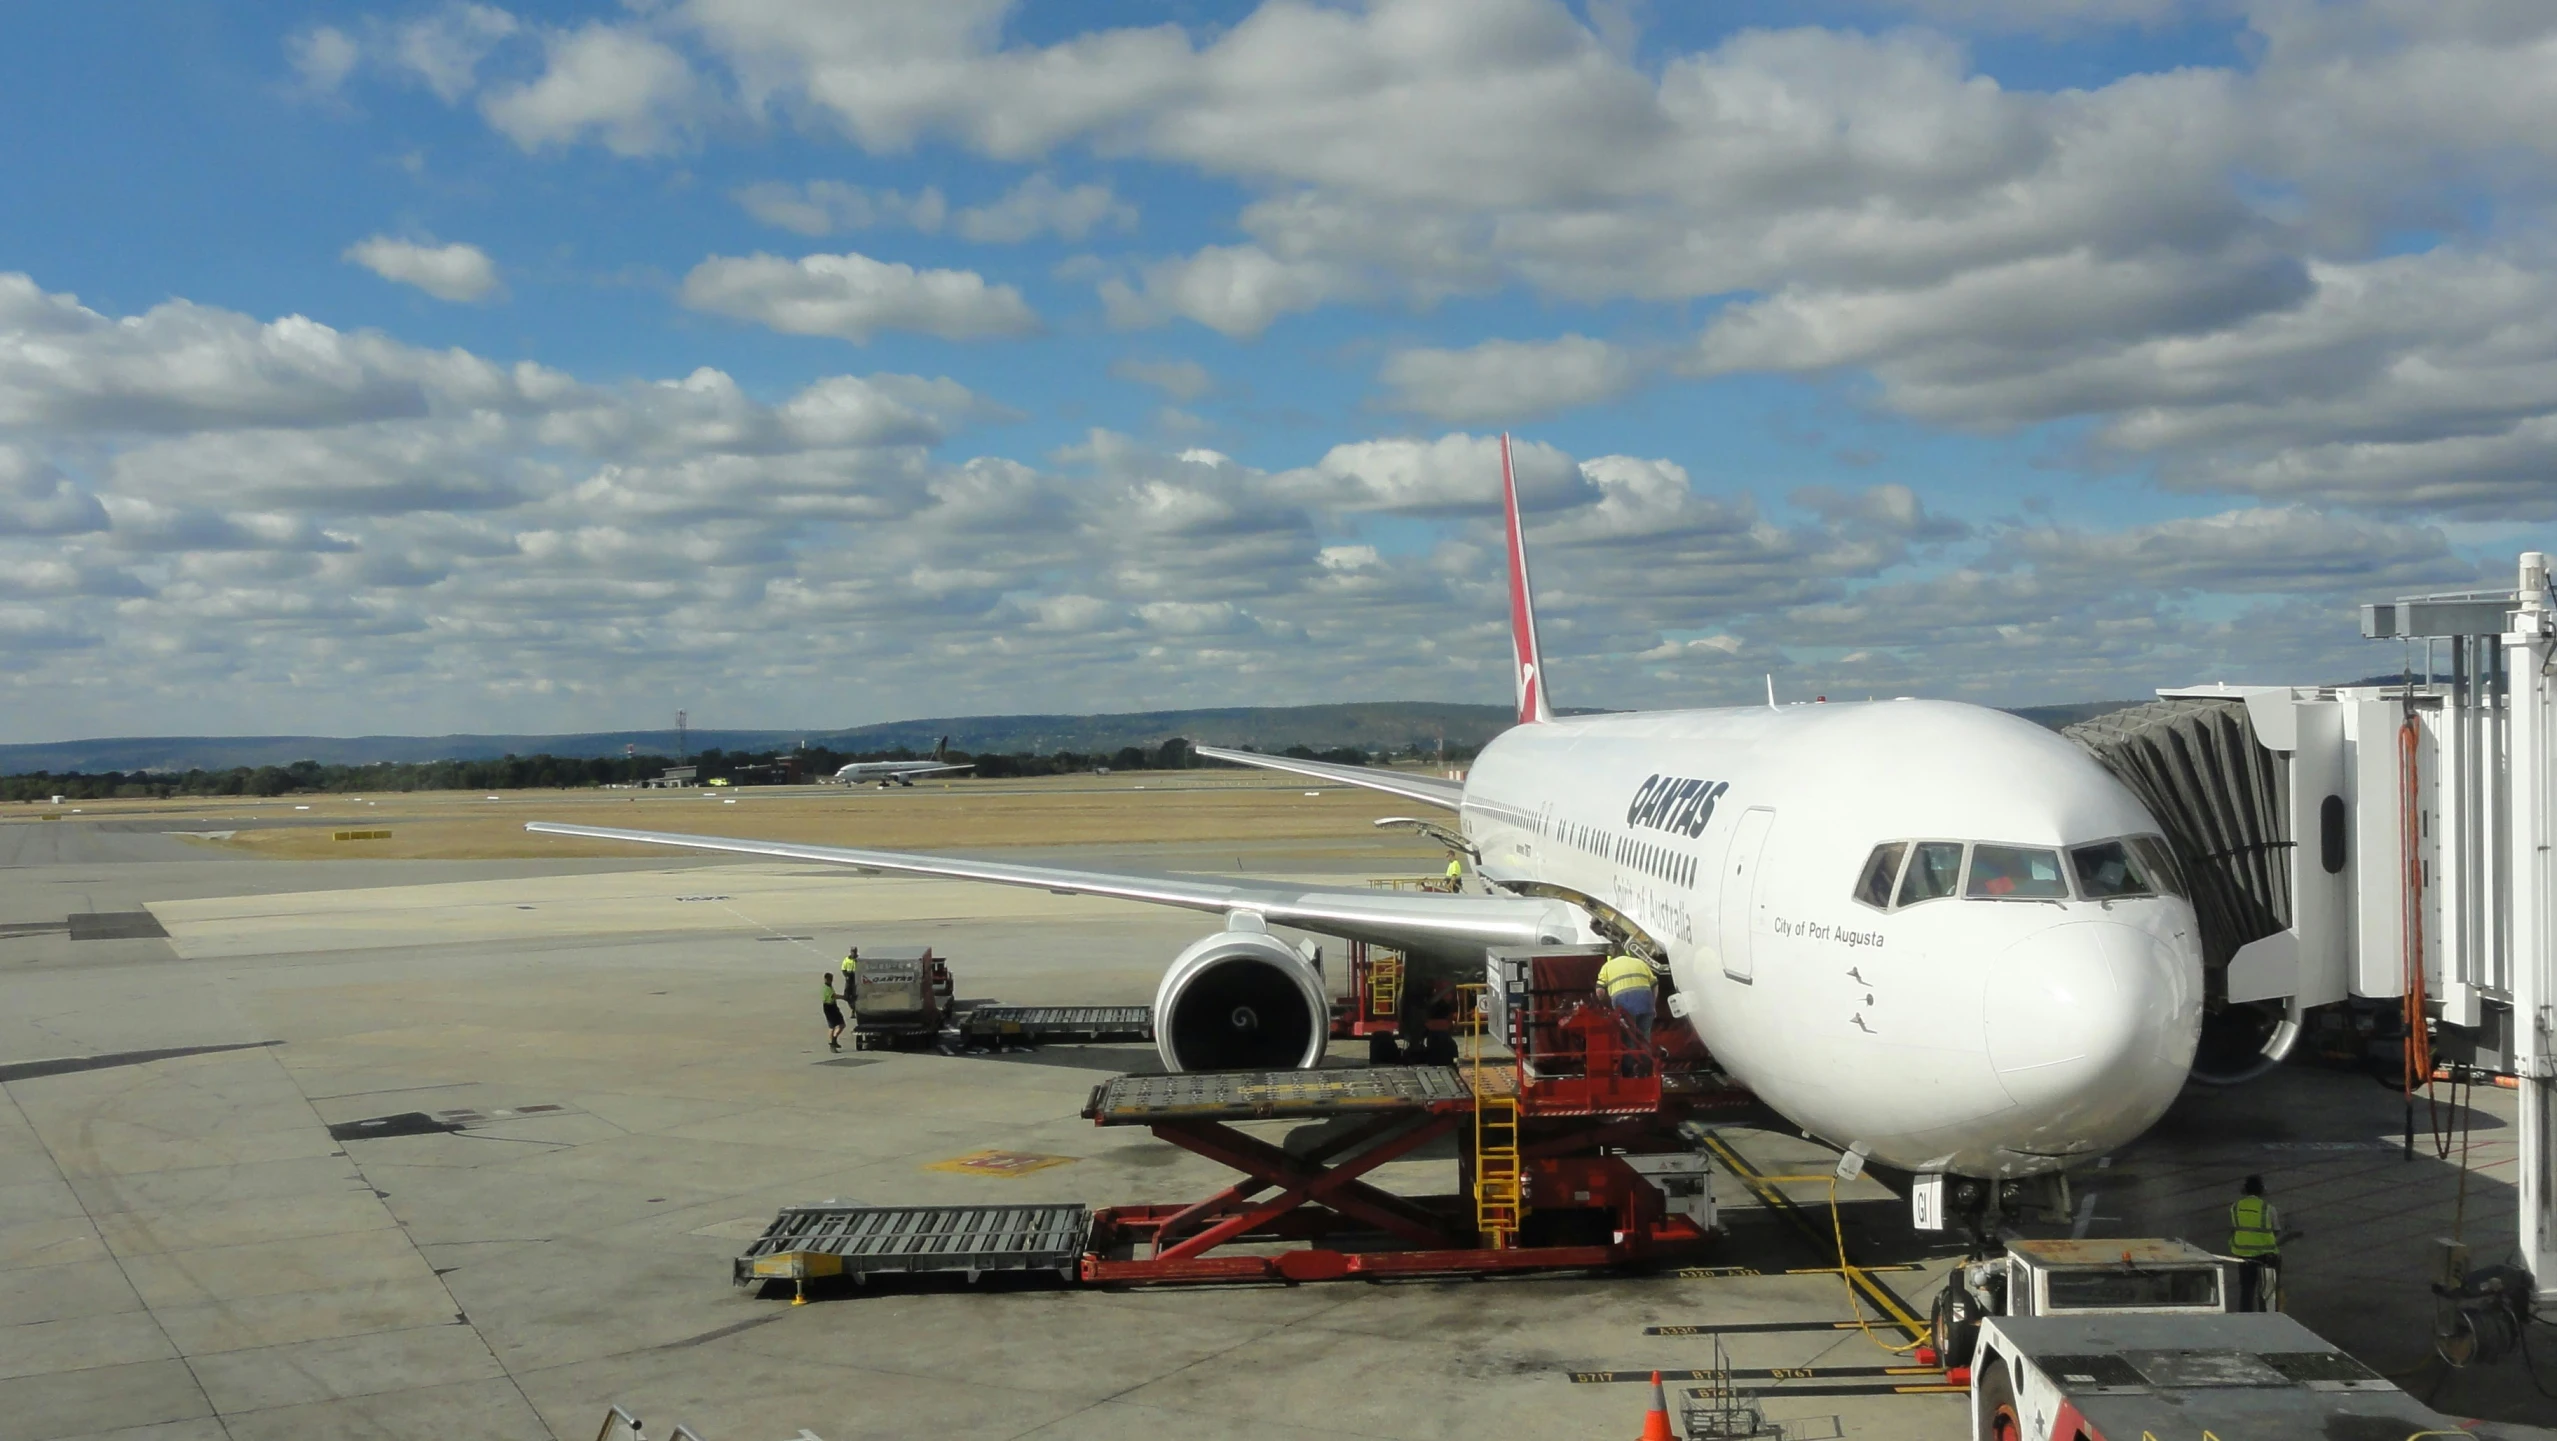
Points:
(548, 772)
(503, 773)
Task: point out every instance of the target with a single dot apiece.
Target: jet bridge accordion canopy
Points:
(2224, 800)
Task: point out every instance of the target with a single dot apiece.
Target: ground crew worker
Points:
(2255, 1238)
(834, 1013)
(1455, 874)
(1627, 980)
(851, 967)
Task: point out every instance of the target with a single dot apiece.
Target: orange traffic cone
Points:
(1656, 1420)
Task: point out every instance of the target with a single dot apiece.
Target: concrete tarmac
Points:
(589, 1083)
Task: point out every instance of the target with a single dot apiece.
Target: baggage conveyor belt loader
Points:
(905, 1000)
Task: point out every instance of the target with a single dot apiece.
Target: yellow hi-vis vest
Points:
(1625, 973)
(2251, 1228)
(1455, 869)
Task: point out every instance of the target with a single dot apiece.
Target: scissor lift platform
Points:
(1276, 1095)
(807, 1243)
(1591, 1170)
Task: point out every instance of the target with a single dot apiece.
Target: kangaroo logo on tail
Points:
(1522, 609)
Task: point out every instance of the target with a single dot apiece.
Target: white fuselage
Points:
(1979, 1036)
(858, 771)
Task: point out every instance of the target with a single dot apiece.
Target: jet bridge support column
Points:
(2530, 643)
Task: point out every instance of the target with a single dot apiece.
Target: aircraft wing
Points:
(1428, 790)
(1406, 920)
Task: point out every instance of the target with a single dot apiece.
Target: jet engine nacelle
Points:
(1241, 1001)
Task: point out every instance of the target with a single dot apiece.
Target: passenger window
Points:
(2157, 858)
(1935, 869)
(1880, 870)
(2016, 873)
(2108, 869)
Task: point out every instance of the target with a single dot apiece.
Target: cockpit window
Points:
(1880, 870)
(2157, 861)
(2016, 873)
(2109, 870)
(1935, 870)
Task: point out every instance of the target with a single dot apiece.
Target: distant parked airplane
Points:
(901, 772)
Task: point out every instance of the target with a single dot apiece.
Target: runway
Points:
(592, 1080)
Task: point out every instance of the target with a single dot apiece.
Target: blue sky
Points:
(445, 367)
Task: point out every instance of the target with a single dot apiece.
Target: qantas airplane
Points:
(901, 772)
(1927, 932)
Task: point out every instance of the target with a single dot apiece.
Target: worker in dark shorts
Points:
(834, 1013)
(2255, 1238)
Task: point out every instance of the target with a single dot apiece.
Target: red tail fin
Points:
(1522, 608)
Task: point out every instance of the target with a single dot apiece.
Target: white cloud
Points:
(894, 73)
(1183, 380)
(2253, 551)
(1452, 474)
(853, 297)
(1073, 613)
(632, 94)
(822, 207)
(1234, 289)
(1509, 380)
(147, 525)
(181, 366)
(28, 629)
(323, 57)
(448, 272)
(1180, 617)
(1994, 256)
(37, 499)
(1039, 206)
(444, 50)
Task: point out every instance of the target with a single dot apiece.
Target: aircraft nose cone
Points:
(2092, 1024)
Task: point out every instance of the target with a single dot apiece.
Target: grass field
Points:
(1135, 808)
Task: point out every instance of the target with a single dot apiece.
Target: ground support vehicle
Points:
(2139, 1340)
(905, 1001)
(900, 1000)
(2256, 1375)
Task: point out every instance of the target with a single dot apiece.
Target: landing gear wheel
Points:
(1954, 1325)
(1998, 1421)
(1382, 1050)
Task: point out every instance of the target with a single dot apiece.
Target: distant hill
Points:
(1366, 725)
(1373, 725)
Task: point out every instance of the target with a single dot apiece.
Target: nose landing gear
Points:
(1978, 1286)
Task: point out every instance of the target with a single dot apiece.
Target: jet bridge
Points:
(2386, 843)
